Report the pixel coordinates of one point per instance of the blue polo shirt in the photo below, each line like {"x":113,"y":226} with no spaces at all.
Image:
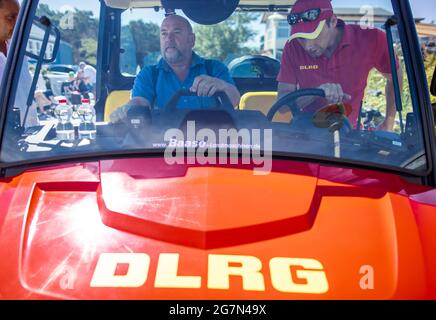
{"x":168,"y":84}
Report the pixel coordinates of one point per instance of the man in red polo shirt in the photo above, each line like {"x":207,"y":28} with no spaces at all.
{"x":323,"y":52}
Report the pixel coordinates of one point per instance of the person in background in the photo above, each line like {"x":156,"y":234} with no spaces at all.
{"x":8,"y":17}
{"x":9,"y":10}
{"x":424,"y":50}
{"x":88,"y":74}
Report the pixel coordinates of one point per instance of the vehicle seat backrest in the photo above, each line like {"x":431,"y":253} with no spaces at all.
{"x":115,"y":99}
{"x":262,"y":101}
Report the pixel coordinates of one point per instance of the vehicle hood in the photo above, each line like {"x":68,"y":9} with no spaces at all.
{"x":142,"y":229}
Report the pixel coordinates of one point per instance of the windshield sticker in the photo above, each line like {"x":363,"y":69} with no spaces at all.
{"x":205,"y":145}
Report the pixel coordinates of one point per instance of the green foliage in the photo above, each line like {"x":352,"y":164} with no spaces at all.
{"x":89,"y":50}
{"x":145,"y":37}
{"x":430,"y":65}
{"x":375,"y":92}
{"x":375,"y":95}
{"x":225,"y":39}
{"x":78,"y":28}
{"x":44,"y":10}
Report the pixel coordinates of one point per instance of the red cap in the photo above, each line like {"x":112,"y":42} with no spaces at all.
{"x":310,"y":29}
{"x":62,"y":100}
{"x":85,"y":100}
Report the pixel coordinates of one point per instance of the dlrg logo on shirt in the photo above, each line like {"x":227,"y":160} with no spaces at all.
{"x":312,"y":67}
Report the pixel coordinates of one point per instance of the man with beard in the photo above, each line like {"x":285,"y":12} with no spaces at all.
{"x":179,"y":68}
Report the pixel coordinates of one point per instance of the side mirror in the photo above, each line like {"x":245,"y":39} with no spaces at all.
{"x":43,"y":46}
{"x":44,"y":40}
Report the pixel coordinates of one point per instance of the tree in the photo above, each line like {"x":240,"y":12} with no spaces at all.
{"x":82,"y":33}
{"x":146,"y":39}
{"x":78,"y":28}
{"x":44,"y":10}
{"x":225,"y":39}
{"x":128,"y":62}
{"x":89,"y":50}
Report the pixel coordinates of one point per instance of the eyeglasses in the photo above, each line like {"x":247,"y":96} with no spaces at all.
{"x":305,"y":16}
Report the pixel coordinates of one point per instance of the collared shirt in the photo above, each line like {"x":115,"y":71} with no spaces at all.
{"x":359,"y":51}
{"x":90,"y":74}
{"x":168,"y":83}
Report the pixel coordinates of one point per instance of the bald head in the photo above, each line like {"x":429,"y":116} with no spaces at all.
{"x":175,"y":19}
{"x":176,"y":40}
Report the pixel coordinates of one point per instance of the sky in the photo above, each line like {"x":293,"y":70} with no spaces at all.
{"x":424,"y":9}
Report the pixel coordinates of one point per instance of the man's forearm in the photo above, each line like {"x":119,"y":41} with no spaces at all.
{"x":120,"y":113}
{"x":391,"y":108}
{"x":233,"y":94}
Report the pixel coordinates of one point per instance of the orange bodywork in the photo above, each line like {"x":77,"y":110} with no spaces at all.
{"x":141,"y":229}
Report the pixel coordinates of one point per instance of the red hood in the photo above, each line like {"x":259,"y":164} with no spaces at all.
{"x":63,"y":227}
{"x":202,"y":206}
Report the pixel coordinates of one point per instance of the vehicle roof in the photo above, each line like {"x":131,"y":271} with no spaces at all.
{"x":124,"y":4}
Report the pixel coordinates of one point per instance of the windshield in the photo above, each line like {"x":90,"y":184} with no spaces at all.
{"x":316,"y":79}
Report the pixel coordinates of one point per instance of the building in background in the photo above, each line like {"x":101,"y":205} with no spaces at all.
{"x":65,"y":52}
{"x":277,"y":29}
{"x":426,"y":31}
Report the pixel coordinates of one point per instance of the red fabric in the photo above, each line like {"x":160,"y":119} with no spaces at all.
{"x":359,"y":51}
{"x":304,"y":5}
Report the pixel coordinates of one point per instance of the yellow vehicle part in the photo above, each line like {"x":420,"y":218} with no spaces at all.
{"x":115,"y":99}
{"x":262,"y":101}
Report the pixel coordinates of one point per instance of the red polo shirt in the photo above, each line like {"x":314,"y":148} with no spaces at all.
{"x":359,"y":51}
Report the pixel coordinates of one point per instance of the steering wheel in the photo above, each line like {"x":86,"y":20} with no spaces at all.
{"x":221,"y":98}
{"x":290,"y":98}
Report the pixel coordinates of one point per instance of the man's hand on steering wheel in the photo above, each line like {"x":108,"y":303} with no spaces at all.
{"x":334,"y":93}
{"x":120,"y":113}
{"x":206,"y":86}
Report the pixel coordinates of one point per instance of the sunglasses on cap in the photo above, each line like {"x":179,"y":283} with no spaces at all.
{"x":305,"y":16}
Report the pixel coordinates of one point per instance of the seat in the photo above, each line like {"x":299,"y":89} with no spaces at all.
{"x":114,"y":100}
{"x":262,"y":101}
